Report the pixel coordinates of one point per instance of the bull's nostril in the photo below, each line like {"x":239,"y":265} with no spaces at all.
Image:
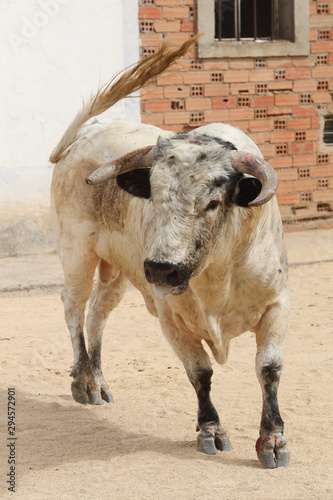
{"x":174,"y":278}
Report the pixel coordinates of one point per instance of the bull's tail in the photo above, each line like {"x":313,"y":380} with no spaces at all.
{"x":115,"y":90}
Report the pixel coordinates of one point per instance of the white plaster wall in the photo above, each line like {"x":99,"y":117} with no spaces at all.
{"x":54,"y":54}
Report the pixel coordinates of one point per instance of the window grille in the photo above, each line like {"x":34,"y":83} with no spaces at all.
{"x":246,"y":19}
{"x":328,"y":130}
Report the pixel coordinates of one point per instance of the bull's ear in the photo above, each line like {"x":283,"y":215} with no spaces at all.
{"x":135,"y":182}
{"x":247,"y":190}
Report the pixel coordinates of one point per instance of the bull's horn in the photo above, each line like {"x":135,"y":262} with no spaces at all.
{"x":139,"y":158}
{"x":247,"y":163}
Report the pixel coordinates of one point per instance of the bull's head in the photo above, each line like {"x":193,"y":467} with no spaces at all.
{"x":195,"y":182}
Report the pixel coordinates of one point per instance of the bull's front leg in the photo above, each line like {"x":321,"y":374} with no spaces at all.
{"x":212,"y":436}
{"x":271,"y":333}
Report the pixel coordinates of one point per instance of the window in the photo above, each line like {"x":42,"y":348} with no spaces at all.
{"x":253,"y":28}
{"x":245,"y":19}
{"x":328,"y":130}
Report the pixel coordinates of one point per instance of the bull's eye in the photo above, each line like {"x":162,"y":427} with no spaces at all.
{"x":212,"y":205}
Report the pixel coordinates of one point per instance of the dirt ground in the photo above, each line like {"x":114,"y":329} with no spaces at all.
{"x":143,"y":446}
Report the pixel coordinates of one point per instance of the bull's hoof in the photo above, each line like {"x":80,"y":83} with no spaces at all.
{"x":272,"y":451}
{"x":87,"y":388}
{"x":212,"y":438}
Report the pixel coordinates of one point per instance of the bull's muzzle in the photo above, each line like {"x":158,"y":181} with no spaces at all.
{"x":167,"y":273}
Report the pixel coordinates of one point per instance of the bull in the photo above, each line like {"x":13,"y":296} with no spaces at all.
{"x":191,"y":220}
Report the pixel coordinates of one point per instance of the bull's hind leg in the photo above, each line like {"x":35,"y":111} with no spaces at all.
{"x":271,"y":332}
{"x":212,"y":436}
{"x":109,"y":291}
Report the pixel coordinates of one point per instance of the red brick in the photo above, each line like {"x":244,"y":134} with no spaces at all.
{"x":187,"y":25}
{"x":286,"y":100}
{"x":154,"y":119}
{"x":322,"y":72}
{"x":281,"y":111}
{"x":215,"y":65}
{"x":224,"y":103}
{"x":241,"y":114}
{"x":322,"y":171}
{"x":284,"y":187}
{"x":282,"y":137}
{"x":198,"y":104}
{"x":157,"y":106}
{"x":315,"y":122}
{"x":170,"y":79}
{"x":313,"y":35}
{"x":151,"y":93}
{"x":305,"y":184}
{"x":261,"y":75}
{"x":259,"y":137}
{"x":176,"y":91}
{"x":243,"y":126}
{"x":151,"y":40}
{"x":321,"y":98}
{"x":281,"y":163}
{"x":298,"y":124}
{"x":325,"y":196}
{"x":216,"y":90}
{"x":278,"y":62}
{"x":304,"y":161}
{"x":320,"y":21}
{"x":234,"y":76}
{"x":241,"y":64}
{"x":321,"y":47}
{"x":298,"y":73}
{"x":261,"y":125}
{"x":305,"y":86}
{"x":288,"y":199}
{"x":242,"y":88}
{"x":267,"y":150}
{"x":199,"y":77}
{"x":176,"y":118}
{"x":299,"y":111}
{"x":168,"y":2}
{"x":303,"y":61}
{"x":217,"y":115}
{"x":179,"y":12}
{"x":312,"y":135}
{"x":262,"y":101}
{"x":280,"y":86}
{"x":150,"y":13}
{"x":178,"y":38}
{"x":174,"y":128}
{"x":300,"y":148}
{"x":166,"y":26}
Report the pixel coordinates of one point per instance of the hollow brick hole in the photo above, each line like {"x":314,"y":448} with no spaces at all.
{"x":280,"y":124}
{"x":303,"y":173}
{"x":260,"y":113}
{"x":322,"y":183}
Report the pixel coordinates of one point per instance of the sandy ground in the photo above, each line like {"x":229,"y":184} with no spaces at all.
{"x":143,"y":446}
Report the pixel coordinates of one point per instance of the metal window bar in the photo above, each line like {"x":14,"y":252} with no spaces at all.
{"x":224,"y":10}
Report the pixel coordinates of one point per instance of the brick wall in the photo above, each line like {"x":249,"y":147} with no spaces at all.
{"x":280,"y":102}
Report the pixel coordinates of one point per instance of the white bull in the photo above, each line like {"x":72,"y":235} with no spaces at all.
{"x":192,"y":221}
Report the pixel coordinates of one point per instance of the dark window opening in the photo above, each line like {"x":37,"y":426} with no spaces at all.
{"x":252,"y":20}
{"x":328,"y":130}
